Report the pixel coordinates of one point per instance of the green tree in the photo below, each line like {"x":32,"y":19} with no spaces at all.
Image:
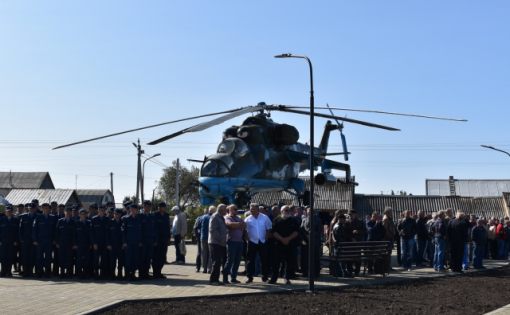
{"x":188,"y":185}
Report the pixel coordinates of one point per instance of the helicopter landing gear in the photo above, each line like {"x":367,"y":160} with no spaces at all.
{"x":241,"y":199}
{"x":304,"y":198}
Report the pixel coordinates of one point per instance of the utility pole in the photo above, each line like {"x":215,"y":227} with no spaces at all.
{"x":139,"y":170}
{"x":177,"y":170}
{"x":111,"y":182}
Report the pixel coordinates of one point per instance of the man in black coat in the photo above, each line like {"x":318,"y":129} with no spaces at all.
{"x":9,"y":239}
{"x":457,"y":232}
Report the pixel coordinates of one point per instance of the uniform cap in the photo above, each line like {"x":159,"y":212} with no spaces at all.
{"x":45,"y":204}
{"x":162,"y":204}
{"x":147,"y":203}
{"x":8,"y":207}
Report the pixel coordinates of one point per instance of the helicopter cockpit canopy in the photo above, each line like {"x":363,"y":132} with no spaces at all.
{"x":217,"y":165}
{"x":234,"y":147}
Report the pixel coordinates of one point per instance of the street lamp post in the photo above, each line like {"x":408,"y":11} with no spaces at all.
{"x":143,"y":171}
{"x":311,"y":245}
{"x":495,"y":149}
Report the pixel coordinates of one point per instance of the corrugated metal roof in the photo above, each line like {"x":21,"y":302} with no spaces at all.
{"x":28,"y":180}
{"x":468,"y":187}
{"x":327,"y":197}
{"x":64,"y":196}
{"x":484,"y":206}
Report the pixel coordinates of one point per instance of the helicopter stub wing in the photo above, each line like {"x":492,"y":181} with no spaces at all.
{"x":210,"y":123}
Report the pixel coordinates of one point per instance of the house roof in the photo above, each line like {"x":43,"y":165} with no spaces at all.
{"x":98,"y":196}
{"x":483,"y":206}
{"x":61,"y":196}
{"x":26,"y":180}
{"x":468,"y":187}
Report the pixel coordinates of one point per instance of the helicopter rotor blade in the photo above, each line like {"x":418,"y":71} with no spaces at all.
{"x":211,"y":123}
{"x":142,"y":128}
{"x":284,"y":108}
{"x":385,"y":113}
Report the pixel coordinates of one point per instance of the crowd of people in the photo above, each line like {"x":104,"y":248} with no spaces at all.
{"x":101,"y":243}
{"x":273,"y":242}
{"x":439,"y":240}
{"x":130,"y":243}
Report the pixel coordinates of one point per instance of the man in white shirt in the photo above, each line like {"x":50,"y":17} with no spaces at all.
{"x":179,"y":230}
{"x":258,"y":226}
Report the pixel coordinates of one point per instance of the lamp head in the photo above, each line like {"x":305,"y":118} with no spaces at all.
{"x":288,"y":55}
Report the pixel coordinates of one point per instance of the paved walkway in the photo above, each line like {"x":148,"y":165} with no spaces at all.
{"x":21,"y":296}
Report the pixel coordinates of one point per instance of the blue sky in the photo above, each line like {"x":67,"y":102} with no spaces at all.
{"x":76,"y":69}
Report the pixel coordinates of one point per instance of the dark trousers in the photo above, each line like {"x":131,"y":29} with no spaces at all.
{"x":305,"y":253}
{"x":421,"y":244}
{"x":132,"y":251}
{"x":399,"y":252}
{"x":83,"y":260}
{"x":218,"y":254}
{"x":117,"y":258}
{"x":56,"y":260}
{"x":178,"y":255}
{"x":43,"y":258}
{"x":283,"y":254}
{"x":479,"y":252}
{"x":234,"y":251}
{"x":27,"y":257}
{"x":101,"y":262}
{"x":456,"y":255}
{"x":198,"y":260}
{"x":7,"y":256}
{"x":65,"y":258}
{"x":253,"y":250}
{"x":147,"y":254}
{"x":159,"y":257}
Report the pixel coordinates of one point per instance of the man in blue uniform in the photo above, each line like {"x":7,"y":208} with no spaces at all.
{"x":148,"y":239}
{"x":114,"y":245}
{"x":65,"y":243}
{"x":27,"y":253}
{"x":8,"y":241}
{"x":162,"y":231}
{"x":43,"y":236}
{"x":132,"y":240}
{"x":83,"y":245}
{"x":58,"y":211}
{"x":99,"y":231}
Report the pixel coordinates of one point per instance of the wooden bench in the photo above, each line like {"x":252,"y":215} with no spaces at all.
{"x":362,"y":252}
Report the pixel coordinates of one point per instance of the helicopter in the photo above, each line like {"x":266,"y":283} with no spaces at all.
{"x":261,"y":155}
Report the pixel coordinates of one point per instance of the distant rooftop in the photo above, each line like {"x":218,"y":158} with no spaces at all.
{"x":25,"y":180}
{"x":467,"y":187}
{"x":61,"y":196}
